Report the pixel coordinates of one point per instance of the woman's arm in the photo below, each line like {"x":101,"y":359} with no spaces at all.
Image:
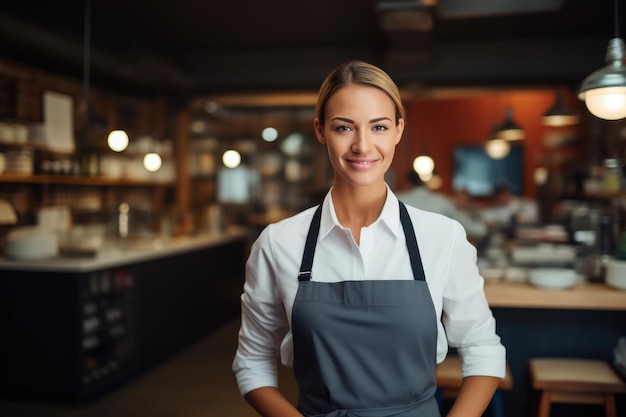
{"x":269,"y":402}
{"x":474,"y":396}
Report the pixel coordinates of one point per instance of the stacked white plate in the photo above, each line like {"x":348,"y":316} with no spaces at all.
{"x":31,"y":243}
{"x":616,"y":274}
{"x":553,"y":278}
{"x":19,"y":162}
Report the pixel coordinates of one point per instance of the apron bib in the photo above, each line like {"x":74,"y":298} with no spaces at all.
{"x":365,"y":348}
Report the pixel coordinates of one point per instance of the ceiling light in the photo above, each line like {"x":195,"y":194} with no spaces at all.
{"x":406,"y":15}
{"x":510,"y":130}
{"x":495,"y":146}
{"x":559,"y":115}
{"x":604,"y":90}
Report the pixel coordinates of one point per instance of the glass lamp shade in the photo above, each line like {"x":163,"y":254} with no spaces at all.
{"x":509,"y":129}
{"x":604,"y":90}
{"x":607,"y":103}
{"x":559,"y":115}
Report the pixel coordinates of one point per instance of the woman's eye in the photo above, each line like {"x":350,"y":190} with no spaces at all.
{"x":343,"y":128}
{"x":380,"y":128}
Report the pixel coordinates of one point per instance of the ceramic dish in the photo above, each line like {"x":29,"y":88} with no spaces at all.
{"x":553,"y":278}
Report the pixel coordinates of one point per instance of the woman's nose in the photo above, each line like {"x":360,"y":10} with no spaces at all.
{"x":361,"y":142}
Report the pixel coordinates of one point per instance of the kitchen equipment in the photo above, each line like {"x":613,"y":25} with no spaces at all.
{"x":553,"y":278}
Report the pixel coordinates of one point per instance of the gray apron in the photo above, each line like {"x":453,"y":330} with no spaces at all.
{"x":365,"y":348}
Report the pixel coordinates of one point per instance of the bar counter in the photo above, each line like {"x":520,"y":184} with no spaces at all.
{"x":584,"y":321}
{"x":583,"y":296}
{"x":73,"y":329}
{"x":126,"y":253}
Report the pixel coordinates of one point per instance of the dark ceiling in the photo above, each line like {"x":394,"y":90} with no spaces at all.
{"x":208,"y":47}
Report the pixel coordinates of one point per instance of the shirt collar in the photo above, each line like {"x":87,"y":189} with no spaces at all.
{"x":390,"y":215}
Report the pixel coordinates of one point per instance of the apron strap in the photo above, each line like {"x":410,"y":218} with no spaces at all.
{"x":411,"y":244}
{"x":309,"y":248}
{"x":409,"y":233}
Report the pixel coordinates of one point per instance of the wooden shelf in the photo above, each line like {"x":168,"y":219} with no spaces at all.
{"x":75,"y":180}
{"x":584,"y":296}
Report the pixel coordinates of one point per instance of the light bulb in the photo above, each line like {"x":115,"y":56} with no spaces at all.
{"x":117,"y":140}
{"x":607,"y":103}
{"x":423,"y":165}
{"x":152,"y":161}
{"x":497,"y":148}
{"x":269,"y":134}
{"x":231,"y":158}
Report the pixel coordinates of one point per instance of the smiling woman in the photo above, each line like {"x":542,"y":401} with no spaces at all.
{"x":310,"y":277}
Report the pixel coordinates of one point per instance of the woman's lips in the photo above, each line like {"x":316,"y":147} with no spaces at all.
{"x":361,"y":164}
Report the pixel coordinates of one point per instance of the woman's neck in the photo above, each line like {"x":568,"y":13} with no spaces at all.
{"x":358,"y":207}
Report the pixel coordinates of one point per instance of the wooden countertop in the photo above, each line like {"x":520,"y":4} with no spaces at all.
{"x":584,"y":296}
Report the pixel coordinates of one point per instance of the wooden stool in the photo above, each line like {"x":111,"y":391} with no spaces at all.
{"x":450,"y":377}
{"x":573,"y":381}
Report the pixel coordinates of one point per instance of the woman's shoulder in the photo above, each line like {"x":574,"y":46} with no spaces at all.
{"x":292,"y":225}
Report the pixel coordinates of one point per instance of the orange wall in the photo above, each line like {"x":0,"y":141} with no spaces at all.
{"x":435,"y":126}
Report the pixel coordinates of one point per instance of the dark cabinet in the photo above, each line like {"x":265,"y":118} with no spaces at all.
{"x":70,"y":336}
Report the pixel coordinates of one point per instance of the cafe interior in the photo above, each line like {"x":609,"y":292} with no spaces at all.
{"x":144,"y":146}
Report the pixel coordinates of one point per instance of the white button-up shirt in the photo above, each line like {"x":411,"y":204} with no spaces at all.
{"x":449,"y":262}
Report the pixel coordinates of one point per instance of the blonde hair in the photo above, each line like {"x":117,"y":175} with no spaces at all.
{"x":362,"y":73}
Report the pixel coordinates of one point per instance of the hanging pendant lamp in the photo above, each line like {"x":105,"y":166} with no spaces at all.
{"x":495,"y":146}
{"x":510,"y":130}
{"x":604,"y":90}
{"x":559,"y":115}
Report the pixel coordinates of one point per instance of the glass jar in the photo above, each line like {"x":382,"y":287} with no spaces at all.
{"x":613,"y":176}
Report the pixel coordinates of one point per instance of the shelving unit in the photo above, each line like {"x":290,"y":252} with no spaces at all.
{"x":72,"y":176}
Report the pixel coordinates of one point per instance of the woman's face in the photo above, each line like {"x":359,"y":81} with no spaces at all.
{"x":361,"y":134}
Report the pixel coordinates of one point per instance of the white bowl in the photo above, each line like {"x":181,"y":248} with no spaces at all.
{"x":553,"y":278}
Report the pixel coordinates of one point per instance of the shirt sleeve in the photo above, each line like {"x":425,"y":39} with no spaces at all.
{"x":263,"y":320}
{"x":468,"y":320}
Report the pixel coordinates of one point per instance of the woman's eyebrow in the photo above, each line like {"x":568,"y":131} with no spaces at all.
{"x":343,"y":119}
{"x":347,"y":120}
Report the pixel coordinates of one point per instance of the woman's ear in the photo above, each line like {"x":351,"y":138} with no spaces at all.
{"x":319,"y":131}
{"x":400,"y":128}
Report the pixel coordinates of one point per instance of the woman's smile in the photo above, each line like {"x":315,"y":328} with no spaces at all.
{"x":361,"y":164}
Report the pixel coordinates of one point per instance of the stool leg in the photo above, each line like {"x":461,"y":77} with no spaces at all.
{"x":609,"y":403}
{"x":544,"y":404}
{"x":497,"y":404}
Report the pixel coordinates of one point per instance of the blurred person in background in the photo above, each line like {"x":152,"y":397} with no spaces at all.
{"x":508,"y":210}
{"x":422,"y":197}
